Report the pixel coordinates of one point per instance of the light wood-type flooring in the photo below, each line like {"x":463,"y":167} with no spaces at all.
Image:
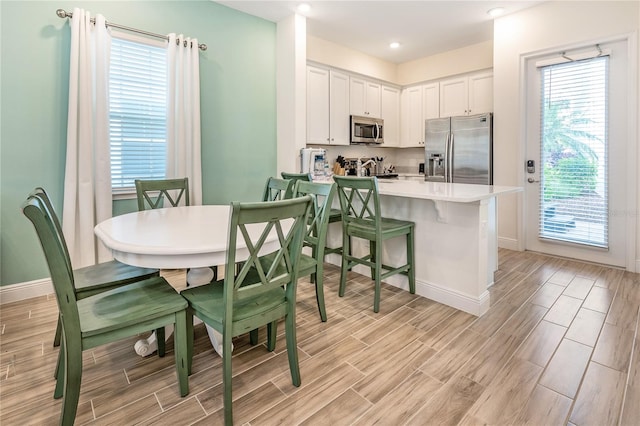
{"x":559,"y":345}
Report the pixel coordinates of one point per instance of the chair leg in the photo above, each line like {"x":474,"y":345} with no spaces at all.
{"x":160,"y":339}
{"x":59,"y":372}
{"x":345,"y":265}
{"x":377,"y":274}
{"x":226,"y":379}
{"x":72,"y":380}
{"x":181,"y":351}
{"x":292,"y":347}
{"x":190,"y":338}
{"x":56,"y":338}
{"x":374,"y":257}
{"x":411,"y":260}
{"x":272,"y":333}
{"x":320,"y":290}
{"x":254,"y":336}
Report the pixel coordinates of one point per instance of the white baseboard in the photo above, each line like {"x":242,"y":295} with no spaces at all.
{"x":27,"y":290}
{"x":463,"y":302}
{"x":508,"y":243}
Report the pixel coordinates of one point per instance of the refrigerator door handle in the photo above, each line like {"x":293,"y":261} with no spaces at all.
{"x":450,"y":158}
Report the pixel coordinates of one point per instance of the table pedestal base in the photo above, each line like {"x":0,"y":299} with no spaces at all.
{"x":195,"y":277}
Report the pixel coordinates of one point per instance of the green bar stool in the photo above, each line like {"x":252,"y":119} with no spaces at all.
{"x":361,"y":218}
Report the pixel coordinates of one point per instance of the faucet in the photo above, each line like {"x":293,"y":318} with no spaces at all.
{"x":366,"y":163}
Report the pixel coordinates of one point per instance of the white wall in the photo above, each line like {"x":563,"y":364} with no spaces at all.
{"x":335,"y":55}
{"x":459,"y":61}
{"x":547,"y":26}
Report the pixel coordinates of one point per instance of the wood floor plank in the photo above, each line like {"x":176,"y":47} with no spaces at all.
{"x":444,"y":364}
{"x":631,"y":408}
{"x":401,"y":403}
{"x":600,"y":397}
{"x":586,"y":327}
{"x":449,"y":404}
{"x":438,"y":337}
{"x":564,"y":310}
{"x":599,"y":299}
{"x":503,"y":399}
{"x":566,"y":368}
{"x":311,"y":397}
{"x":541,"y":344}
{"x":190,"y":408}
{"x":342,"y":410}
{"x":579,"y":287}
{"x":544,"y":407}
{"x":547,"y":295}
{"x":614,"y":347}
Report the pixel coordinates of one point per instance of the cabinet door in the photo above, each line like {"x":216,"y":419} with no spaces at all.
{"x":373,"y":99}
{"x":430,"y":101}
{"x":357,"y":96}
{"x":317,"y":105}
{"x":339,"y":108}
{"x":480,"y":93}
{"x":412,"y":122}
{"x":390,"y":113}
{"x":454,"y":97}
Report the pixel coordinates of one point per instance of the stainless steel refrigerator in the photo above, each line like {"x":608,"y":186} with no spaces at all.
{"x":459,"y":149}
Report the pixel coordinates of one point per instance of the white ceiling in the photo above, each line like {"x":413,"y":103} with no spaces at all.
{"x":423,"y":28}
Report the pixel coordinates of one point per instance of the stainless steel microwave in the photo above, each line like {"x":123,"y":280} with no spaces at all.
{"x":367,"y":130}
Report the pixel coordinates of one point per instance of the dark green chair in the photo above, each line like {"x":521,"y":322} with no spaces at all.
{"x":316,"y":235}
{"x":153,"y":193}
{"x":264,"y":289}
{"x":335,"y":215}
{"x":92,"y":279}
{"x":277,"y":189}
{"x":361,"y":218}
{"x":105,"y":317}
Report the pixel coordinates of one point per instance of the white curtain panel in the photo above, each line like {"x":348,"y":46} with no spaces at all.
{"x":183,"y":126}
{"x":87,"y":182}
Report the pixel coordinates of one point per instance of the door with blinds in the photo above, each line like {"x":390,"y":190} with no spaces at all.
{"x":576,"y":162}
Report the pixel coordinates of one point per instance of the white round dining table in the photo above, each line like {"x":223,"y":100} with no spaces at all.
{"x":189,"y":237}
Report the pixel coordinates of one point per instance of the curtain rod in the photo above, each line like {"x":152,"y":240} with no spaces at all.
{"x":64,"y":14}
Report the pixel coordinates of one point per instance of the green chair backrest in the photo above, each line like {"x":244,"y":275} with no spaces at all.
{"x":359,"y":200}
{"x":316,"y":235}
{"x":257,"y":275}
{"x":277,"y":189}
{"x":297,"y":176}
{"x":146,"y":189}
{"x":58,"y":262}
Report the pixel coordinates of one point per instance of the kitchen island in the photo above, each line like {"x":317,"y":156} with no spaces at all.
{"x":456,"y":244}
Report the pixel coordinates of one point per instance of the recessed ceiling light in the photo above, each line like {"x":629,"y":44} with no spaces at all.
{"x":394,"y":45}
{"x":304,"y":7}
{"x":496,"y":11}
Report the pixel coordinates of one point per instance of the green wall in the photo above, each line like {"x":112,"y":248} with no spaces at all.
{"x":238,"y":107}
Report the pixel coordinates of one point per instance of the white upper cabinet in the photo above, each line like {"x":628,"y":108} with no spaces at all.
{"x":327,"y":107}
{"x":317,"y":105}
{"x":365,"y":97}
{"x":466,"y":95}
{"x":390,"y":112}
{"x":419,"y":103}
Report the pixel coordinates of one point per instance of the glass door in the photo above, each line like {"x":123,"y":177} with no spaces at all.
{"x":576,"y":163}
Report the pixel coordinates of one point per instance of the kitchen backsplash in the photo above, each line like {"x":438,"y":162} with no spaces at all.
{"x":405,"y":160}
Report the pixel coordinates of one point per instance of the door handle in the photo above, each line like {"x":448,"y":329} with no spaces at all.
{"x":532,"y":180}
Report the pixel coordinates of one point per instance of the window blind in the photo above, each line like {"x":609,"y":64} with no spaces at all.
{"x":574,"y":193}
{"x":137,"y":112}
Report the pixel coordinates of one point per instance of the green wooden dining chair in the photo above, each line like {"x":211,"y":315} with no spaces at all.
{"x":105,"y":317}
{"x":277,"y":189}
{"x":97,"y":278}
{"x":361,"y":218}
{"x":316,"y":235}
{"x":335,"y":215}
{"x":264,"y":289}
{"x":153,"y":193}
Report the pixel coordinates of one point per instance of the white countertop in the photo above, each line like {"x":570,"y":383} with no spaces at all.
{"x":438,"y":191}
